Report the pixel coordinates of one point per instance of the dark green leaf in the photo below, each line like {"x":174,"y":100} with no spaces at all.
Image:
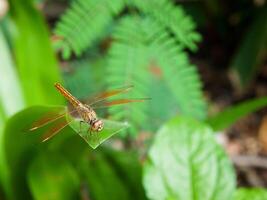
{"x":252,"y":50}
{"x":185,"y":162}
{"x":250,"y":194}
{"x":230,"y":115}
{"x":51,"y":177}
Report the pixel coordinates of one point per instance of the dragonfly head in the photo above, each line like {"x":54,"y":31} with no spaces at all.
{"x":97,"y":125}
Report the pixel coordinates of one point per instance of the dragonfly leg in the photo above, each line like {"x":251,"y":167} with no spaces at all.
{"x":98,"y":137}
{"x":80,"y":131}
{"x":90,"y":131}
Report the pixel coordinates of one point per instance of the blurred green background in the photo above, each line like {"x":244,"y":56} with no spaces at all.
{"x":193,"y":58}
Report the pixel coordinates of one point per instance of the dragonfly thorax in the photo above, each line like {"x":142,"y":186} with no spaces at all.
{"x":88,"y":115}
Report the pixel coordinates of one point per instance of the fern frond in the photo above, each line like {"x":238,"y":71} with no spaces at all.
{"x":139,"y":45}
{"x":85,"y":22}
{"x":173,"y":18}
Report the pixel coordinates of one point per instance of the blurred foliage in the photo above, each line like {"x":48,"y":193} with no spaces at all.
{"x":110,"y":44}
{"x":137,"y":56}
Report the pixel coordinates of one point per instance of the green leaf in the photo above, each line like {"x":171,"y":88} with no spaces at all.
{"x":50,"y":176}
{"x":36,"y":63}
{"x":252,"y":50}
{"x":185,"y":162}
{"x":94,"y":139}
{"x":20,"y":146}
{"x":230,"y":115}
{"x":250,"y":194}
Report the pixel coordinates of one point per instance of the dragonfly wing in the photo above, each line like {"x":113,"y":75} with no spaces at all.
{"x":105,"y":104}
{"x":54,"y":130}
{"x":48,"y":118}
{"x":107,"y":94}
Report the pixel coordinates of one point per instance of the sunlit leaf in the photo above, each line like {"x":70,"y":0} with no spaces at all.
{"x":185,"y":162}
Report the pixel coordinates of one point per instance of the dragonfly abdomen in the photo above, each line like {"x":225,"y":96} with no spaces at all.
{"x":67,"y":95}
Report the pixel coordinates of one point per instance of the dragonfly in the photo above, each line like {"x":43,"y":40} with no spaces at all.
{"x":86,"y":112}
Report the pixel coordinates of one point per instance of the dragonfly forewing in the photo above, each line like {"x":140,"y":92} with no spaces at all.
{"x":55,"y":129}
{"x":48,"y":118}
{"x":104,"y":104}
{"x":106,"y":94}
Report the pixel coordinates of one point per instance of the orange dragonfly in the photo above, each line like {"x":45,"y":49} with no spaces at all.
{"x":86,"y":112}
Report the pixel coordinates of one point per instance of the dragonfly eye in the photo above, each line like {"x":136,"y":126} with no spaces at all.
{"x":100,"y":128}
{"x":98,"y":125}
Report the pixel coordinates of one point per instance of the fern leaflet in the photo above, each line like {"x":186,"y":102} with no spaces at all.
{"x":85,"y":22}
{"x":173,"y":18}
